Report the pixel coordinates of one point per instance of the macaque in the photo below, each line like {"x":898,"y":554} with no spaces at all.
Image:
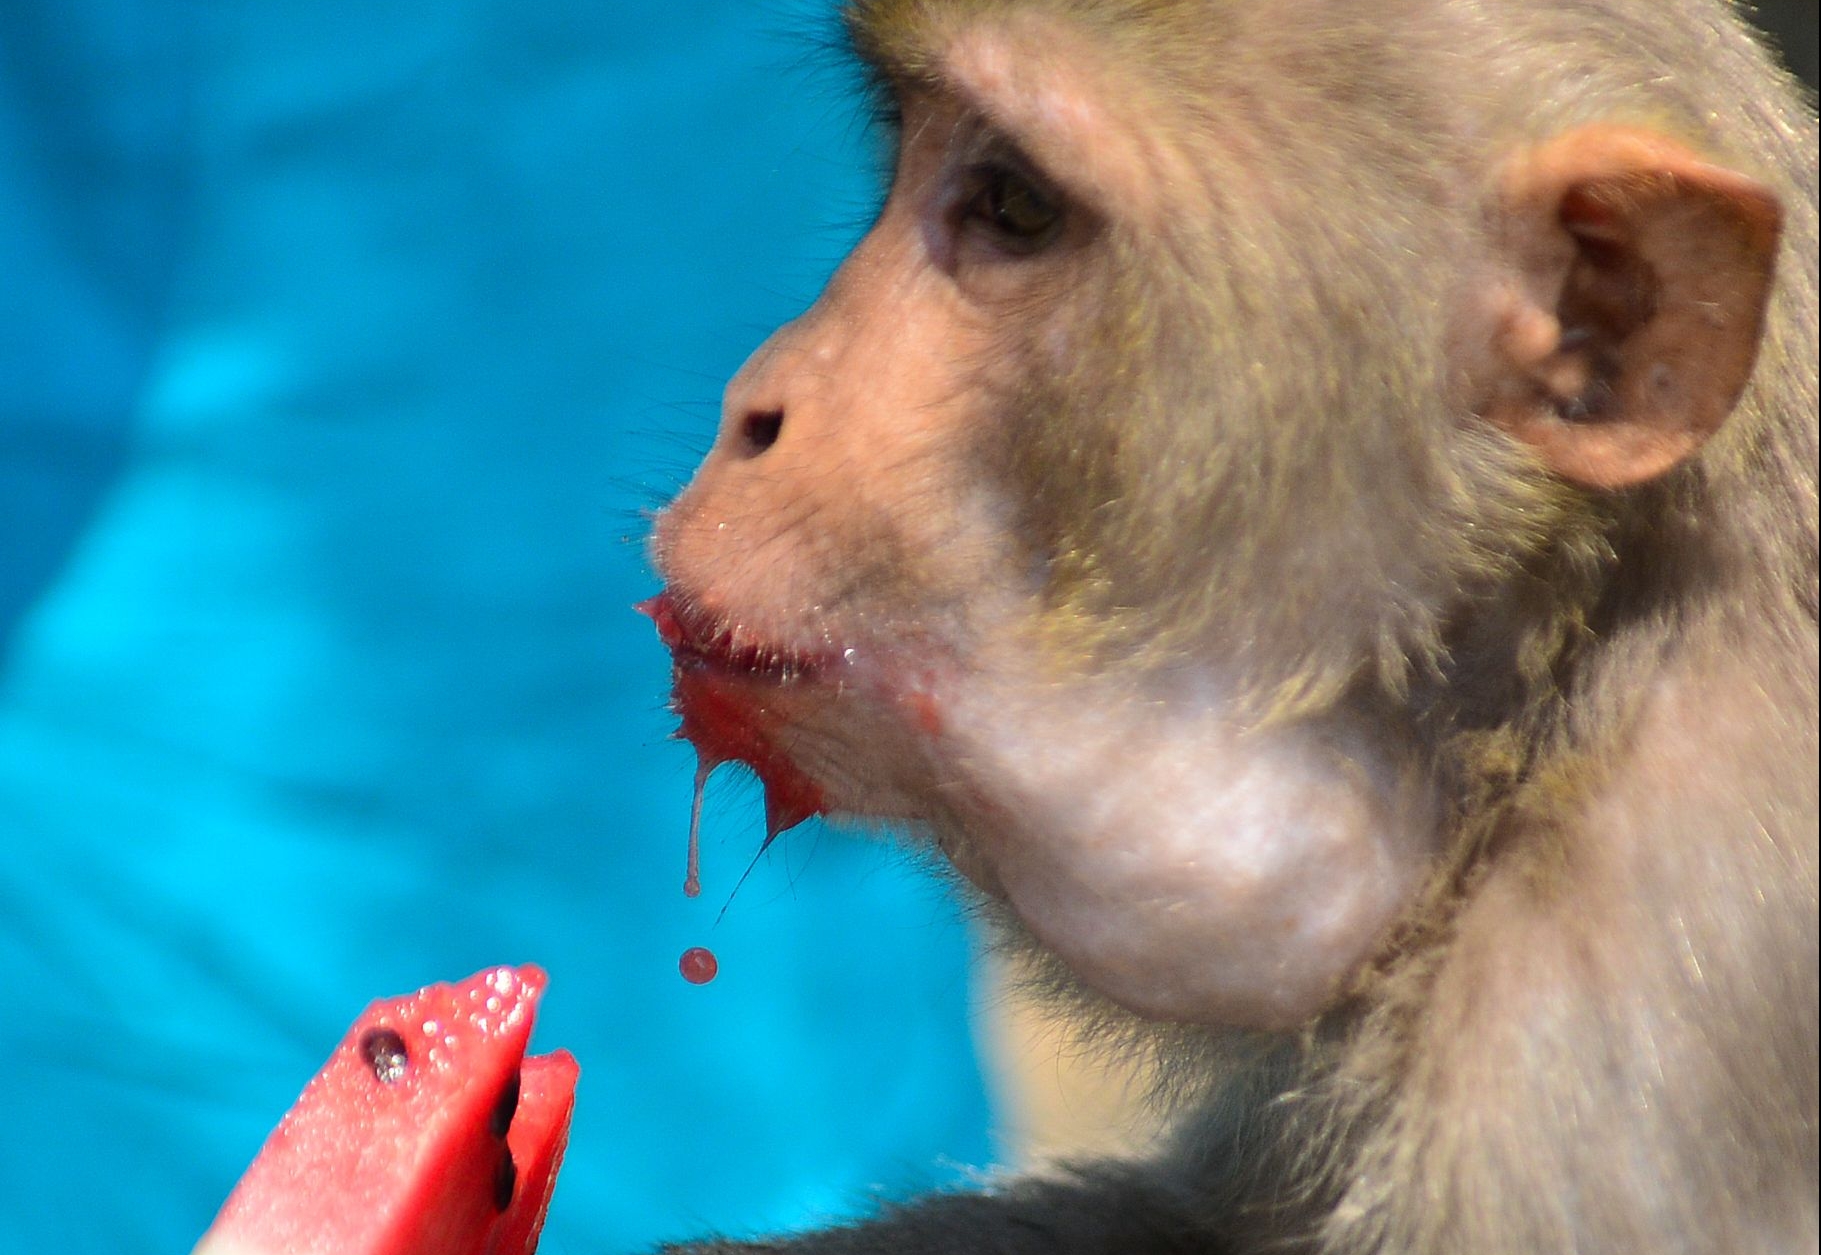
{"x":1310,"y":506}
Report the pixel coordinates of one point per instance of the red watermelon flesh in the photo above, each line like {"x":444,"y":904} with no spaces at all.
{"x":538,"y":1137}
{"x":428,"y":1132}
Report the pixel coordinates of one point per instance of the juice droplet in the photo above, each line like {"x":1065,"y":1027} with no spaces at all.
{"x":698,"y":965}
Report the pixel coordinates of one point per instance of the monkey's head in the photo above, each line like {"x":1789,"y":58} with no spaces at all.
{"x":1112,"y":512}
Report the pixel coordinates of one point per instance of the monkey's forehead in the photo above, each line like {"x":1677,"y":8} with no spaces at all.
{"x":1074,"y":102}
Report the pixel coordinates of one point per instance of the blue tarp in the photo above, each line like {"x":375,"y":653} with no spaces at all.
{"x":343,"y":344}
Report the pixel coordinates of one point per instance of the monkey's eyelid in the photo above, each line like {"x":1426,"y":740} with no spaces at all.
{"x":1017,"y":211}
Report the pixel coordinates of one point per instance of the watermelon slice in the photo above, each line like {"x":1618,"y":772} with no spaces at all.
{"x":428,"y":1132}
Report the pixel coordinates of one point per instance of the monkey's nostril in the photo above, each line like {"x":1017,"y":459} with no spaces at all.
{"x":761,"y":430}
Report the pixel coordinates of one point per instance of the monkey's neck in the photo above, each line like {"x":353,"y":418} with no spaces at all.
{"x":1543,"y":682}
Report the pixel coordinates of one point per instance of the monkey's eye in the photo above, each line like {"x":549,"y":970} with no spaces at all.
{"x":1020,"y":217}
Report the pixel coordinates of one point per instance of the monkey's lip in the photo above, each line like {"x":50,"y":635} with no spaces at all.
{"x":699,"y":640}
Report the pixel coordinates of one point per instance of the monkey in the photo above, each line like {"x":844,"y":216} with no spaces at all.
{"x":1311,"y":509}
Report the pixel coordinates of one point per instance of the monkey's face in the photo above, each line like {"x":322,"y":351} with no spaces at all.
{"x":902,"y":583}
{"x":845,"y":554}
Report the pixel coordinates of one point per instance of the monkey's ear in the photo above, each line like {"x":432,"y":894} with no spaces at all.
{"x":1640,"y":275}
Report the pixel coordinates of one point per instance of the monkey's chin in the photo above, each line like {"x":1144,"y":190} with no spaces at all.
{"x":1187,"y":870}
{"x":727,"y":695}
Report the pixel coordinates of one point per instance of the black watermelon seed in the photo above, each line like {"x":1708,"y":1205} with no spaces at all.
{"x":505,"y":1179}
{"x":385,"y":1053}
{"x":507,"y":1106}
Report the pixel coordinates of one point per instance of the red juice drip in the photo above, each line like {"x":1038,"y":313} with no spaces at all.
{"x":698,"y":965}
{"x":726,"y":722}
{"x":692,"y":873}
{"x":789,"y":800}
{"x":723,"y":715}
{"x":720,"y":703}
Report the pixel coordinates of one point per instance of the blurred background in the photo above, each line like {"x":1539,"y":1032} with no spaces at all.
{"x":1794,"y":31}
{"x":344,"y":346}
{"x":343,"y":349}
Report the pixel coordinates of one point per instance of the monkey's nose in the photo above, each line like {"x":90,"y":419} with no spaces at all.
{"x":759,"y":431}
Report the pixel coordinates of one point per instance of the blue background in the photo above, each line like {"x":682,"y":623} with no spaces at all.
{"x":342,"y":345}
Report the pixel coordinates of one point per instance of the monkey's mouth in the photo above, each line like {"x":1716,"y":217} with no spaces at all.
{"x":698,"y":640}
{"x":725,"y":693}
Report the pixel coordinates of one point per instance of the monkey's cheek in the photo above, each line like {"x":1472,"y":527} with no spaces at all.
{"x":1188,"y":872}
{"x":866,"y":761}
{"x":1203,"y":950}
